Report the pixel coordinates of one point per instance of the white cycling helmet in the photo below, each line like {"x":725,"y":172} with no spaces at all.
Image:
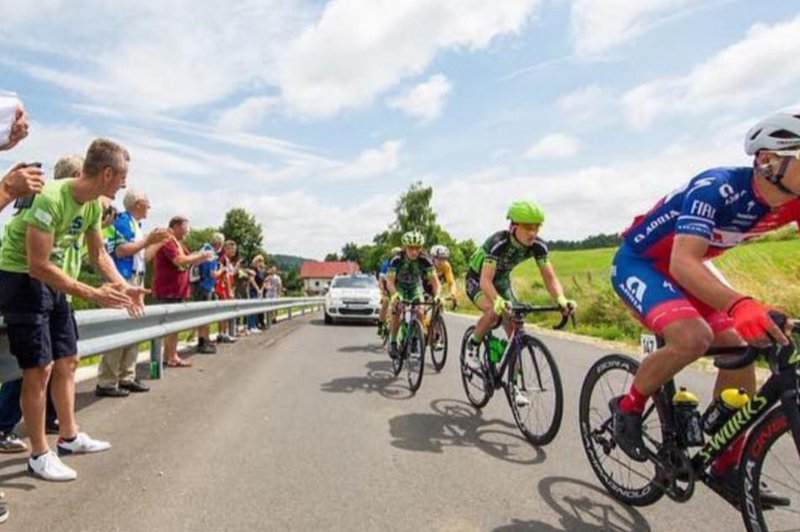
{"x":779,"y":131}
{"x":440,"y":252}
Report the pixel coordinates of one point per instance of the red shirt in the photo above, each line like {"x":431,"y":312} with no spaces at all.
{"x":170,"y":281}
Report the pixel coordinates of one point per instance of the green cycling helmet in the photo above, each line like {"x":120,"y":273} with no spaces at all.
{"x":525,"y":212}
{"x":413,"y":238}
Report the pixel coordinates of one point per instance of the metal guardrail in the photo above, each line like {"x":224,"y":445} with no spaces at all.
{"x":106,"y":329}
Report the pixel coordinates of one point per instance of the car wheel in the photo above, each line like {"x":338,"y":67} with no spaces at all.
{"x":328,"y":319}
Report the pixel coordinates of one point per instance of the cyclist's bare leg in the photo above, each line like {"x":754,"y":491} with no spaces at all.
{"x":733,"y":378}
{"x":686,"y":340}
{"x":487,"y":318}
{"x":395,"y":321}
{"x":384,"y":307}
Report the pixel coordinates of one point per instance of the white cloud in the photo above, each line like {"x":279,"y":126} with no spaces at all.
{"x":591,"y":199}
{"x":599,"y":25}
{"x":358,"y":49}
{"x":370,"y":163}
{"x":731,"y":77}
{"x":426,"y":100}
{"x":157,"y":56}
{"x":583,"y":104}
{"x":248,"y":114}
{"x":553,"y":146}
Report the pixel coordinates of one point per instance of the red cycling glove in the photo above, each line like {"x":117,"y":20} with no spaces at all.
{"x":750,"y":319}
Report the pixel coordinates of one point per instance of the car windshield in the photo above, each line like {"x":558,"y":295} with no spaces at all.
{"x":355,"y":282}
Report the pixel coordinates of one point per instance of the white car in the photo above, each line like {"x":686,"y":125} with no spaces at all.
{"x":353,"y":297}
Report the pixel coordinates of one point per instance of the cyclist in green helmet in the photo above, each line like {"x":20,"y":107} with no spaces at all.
{"x":404,"y":279}
{"x":488,"y":281}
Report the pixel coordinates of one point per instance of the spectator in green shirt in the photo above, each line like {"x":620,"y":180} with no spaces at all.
{"x":42,"y":332}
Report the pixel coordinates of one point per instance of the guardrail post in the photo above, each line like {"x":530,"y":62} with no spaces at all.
{"x":156,"y":359}
{"x":233,"y":330}
{"x":269,"y":320}
{"x":290,"y":313}
{"x":303,"y":310}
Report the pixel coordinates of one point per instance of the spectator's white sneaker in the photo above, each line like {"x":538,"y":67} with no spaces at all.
{"x":83,"y":443}
{"x":520,"y":399}
{"x":49,"y":467}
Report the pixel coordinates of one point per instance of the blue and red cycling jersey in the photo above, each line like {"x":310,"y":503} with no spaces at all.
{"x":720,"y":205}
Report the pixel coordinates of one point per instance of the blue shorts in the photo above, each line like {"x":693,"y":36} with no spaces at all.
{"x":40,"y":322}
{"x":654,"y":297}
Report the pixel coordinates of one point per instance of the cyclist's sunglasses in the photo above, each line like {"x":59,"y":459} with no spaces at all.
{"x":794,"y":153}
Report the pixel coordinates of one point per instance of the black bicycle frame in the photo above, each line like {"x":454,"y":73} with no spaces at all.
{"x":518,"y":322}
{"x":783,"y":386}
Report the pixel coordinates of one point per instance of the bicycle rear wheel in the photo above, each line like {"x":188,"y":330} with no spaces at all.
{"x":476,"y":384}
{"x":533,"y":375}
{"x":415,"y":353}
{"x":770,"y":458}
{"x":625,"y":479}
{"x":438,"y":343}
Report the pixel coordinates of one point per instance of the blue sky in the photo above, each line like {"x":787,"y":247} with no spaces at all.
{"x":316,"y":115}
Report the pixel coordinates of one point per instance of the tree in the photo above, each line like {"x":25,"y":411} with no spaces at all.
{"x":242,"y":227}
{"x":350,"y":252}
{"x":331,"y":257}
{"x":198,"y":237}
{"x":414,"y":212}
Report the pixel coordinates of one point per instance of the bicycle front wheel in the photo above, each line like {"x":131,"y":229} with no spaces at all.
{"x":627,"y":480}
{"x":415,"y":353}
{"x":770,"y":460}
{"x":476,"y":384}
{"x":438,"y":343}
{"x":534,"y":392}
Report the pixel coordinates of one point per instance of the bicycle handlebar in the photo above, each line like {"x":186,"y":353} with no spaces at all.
{"x":521,"y":308}
{"x":746,"y":355}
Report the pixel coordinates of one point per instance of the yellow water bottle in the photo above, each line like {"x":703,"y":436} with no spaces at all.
{"x":723,"y":408}
{"x":684,"y":405}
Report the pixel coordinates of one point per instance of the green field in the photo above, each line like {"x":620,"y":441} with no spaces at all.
{"x":765,"y":270}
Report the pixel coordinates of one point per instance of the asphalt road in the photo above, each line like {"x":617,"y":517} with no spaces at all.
{"x":303,"y":428}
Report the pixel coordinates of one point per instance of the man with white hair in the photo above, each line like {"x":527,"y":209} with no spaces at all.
{"x":131,"y":249}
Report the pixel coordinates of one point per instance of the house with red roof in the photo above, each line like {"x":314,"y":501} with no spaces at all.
{"x":317,"y":275}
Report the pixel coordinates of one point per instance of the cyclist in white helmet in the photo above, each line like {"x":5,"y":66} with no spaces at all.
{"x":660,"y":273}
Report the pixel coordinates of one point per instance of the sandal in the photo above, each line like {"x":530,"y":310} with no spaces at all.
{"x":180,"y":363}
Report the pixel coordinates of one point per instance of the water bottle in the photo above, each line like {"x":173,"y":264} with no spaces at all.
{"x":722,"y":409}
{"x":684,"y":404}
{"x":497,"y":346}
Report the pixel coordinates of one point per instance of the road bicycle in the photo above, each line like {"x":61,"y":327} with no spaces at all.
{"x":437,"y":335}
{"x":411,"y":343}
{"x":525,"y":369}
{"x":770,"y":421}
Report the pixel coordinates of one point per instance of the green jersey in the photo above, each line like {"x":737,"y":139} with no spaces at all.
{"x":55,"y":211}
{"x":505,"y":253}
{"x":408,"y":274}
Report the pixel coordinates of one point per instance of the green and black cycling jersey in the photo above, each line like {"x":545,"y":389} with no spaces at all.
{"x":409,"y":274}
{"x":504,"y":252}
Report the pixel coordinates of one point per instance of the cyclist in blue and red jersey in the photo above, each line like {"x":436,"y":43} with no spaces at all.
{"x":660,"y":272}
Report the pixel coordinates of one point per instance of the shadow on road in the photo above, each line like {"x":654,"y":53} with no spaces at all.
{"x":581,"y":507}
{"x":15,"y":468}
{"x":379,"y":379}
{"x":376,"y":349}
{"x":457,"y":424}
